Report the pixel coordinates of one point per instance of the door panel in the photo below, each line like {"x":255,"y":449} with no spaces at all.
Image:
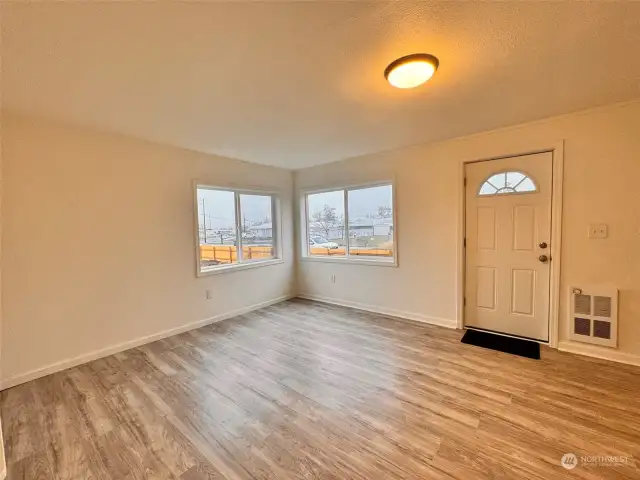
{"x":486,"y":228}
{"x":507,"y":219}
{"x":523,"y":292}
{"x":524,"y":228}
{"x":486,"y":288}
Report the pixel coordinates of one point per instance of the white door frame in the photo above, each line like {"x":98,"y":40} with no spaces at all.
{"x":557,"y":150}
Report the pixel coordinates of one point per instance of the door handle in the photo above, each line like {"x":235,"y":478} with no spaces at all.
{"x":543,"y":245}
{"x":543,"y":258}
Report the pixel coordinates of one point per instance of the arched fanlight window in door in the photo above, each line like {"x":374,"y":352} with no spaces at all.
{"x":507,"y":182}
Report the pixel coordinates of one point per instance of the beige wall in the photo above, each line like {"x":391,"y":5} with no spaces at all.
{"x":602,"y":175}
{"x":99,"y":242}
{"x":119,"y":214}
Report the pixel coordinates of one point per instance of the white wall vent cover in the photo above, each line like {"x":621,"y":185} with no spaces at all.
{"x":593,"y":315}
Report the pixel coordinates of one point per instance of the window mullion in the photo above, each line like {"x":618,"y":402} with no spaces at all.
{"x":346,"y":221}
{"x":308,"y":224}
{"x":275,"y":228}
{"x":238,"y":228}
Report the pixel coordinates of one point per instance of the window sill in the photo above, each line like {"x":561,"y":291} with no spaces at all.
{"x":238,"y":266}
{"x":352,"y":261}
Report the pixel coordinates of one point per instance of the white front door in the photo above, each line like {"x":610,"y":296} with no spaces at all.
{"x":508,"y":236}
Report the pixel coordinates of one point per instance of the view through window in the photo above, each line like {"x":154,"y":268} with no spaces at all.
{"x":368,"y":213}
{"x":326,"y":223}
{"x":256,"y":213}
{"x":234,"y":227}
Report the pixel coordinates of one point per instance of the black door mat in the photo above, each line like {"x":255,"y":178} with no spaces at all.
{"x":515,"y":346}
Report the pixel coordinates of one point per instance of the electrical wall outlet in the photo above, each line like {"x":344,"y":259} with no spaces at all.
{"x":598,"y":230}
{"x":209,"y":294}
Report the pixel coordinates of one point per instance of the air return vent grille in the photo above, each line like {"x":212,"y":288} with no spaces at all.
{"x":594,"y":315}
{"x":602,"y":306}
{"x":583,"y":304}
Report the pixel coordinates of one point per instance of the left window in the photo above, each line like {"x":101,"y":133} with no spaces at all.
{"x":236,"y":228}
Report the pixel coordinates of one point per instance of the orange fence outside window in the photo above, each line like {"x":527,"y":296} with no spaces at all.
{"x":369,"y":252}
{"x":229,"y":254}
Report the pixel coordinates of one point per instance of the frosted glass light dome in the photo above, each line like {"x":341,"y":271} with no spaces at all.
{"x":412,"y":70}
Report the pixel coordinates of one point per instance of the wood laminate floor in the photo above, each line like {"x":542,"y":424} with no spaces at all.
{"x":308,"y":390}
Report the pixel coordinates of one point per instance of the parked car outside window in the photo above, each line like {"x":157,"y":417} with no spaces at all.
{"x":321,"y":242}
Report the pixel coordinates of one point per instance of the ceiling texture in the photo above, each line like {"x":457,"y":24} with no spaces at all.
{"x":295,"y":84}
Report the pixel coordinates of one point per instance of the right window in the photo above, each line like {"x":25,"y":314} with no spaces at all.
{"x":371,"y":221}
{"x":351,"y":223}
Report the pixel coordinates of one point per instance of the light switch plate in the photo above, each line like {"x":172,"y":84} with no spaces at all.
{"x":598,"y":230}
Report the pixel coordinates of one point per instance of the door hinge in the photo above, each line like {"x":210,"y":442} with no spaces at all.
{"x":465,"y":181}
{"x":464,"y":301}
{"x":464,"y":242}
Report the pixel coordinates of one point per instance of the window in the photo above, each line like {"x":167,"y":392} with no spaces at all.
{"x":507,"y":182}
{"x":326,"y":223}
{"x":352,"y":223}
{"x":235,"y":228}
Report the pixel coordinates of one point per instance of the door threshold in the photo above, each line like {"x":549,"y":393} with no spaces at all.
{"x":520,"y":337}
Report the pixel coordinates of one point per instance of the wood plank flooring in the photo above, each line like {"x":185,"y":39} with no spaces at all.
{"x":306,"y":390}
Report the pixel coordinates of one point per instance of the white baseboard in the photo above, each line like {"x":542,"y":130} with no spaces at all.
{"x":3,"y":462}
{"x":603,"y":353}
{"x":416,"y":317}
{"x":104,"y":352}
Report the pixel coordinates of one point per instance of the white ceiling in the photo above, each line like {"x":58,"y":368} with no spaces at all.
{"x":295,"y":84}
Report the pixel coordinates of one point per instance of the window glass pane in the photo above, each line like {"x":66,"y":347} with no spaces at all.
{"x":513,"y":178}
{"x":371,"y":221}
{"x":487,"y":189}
{"x":326,"y":223}
{"x":257,"y":227}
{"x":498,"y":180}
{"x":526,"y":185}
{"x":216,"y":227}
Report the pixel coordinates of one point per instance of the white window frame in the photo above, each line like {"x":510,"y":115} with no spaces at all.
{"x":351,"y":259}
{"x":276,"y":225}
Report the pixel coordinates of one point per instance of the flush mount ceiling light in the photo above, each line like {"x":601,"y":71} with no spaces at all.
{"x":412,"y":70}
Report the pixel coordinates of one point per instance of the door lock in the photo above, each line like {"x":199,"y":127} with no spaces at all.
{"x":543,"y":245}
{"x":543,"y":258}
